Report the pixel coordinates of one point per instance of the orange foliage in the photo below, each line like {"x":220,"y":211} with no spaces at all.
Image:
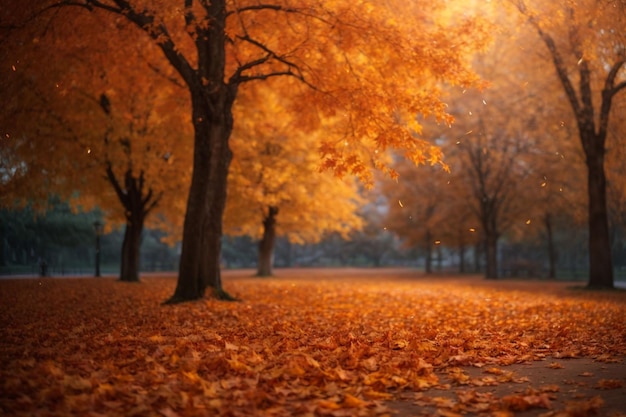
{"x":295,"y":346}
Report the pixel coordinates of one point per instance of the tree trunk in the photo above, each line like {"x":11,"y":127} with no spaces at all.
{"x":600,"y":262}
{"x":136,"y":205}
{"x":439,"y":258}
{"x":477,"y":252}
{"x":129,"y":271}
{"x":428,"y":267}
{"x":266,"y":244}
{"x":202,"y":231}
{"x":593,"y":143}
{"x":491,"y":254}
{"x":547,"y":221}
{"x":462,"y":258}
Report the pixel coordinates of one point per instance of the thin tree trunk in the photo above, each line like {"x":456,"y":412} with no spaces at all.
{"x":136,"y":207}
{"x":439,"y":258}
{"x":491,"y":254}
{"x":462,"y":258}
{"x":477,"y":252}
{"x":429,"y":253}
{"x":600,"y":262}
{"x":131,"y":252}
{"x":266,"y":244}
{"x":547,"y":220}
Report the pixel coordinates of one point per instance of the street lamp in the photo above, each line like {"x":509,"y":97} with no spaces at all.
{"x":98,"y":227}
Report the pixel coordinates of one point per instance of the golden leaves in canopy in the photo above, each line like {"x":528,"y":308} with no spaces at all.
{"x":374,"y":69}
{"x":276,"y":164}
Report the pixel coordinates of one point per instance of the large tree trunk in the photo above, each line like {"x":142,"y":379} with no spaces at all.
{"x":212,"y":101}
{"x":219,"y":161}
{"x":266,"y":244}
{"x":600,"y":262}
{"x":202,"y":231}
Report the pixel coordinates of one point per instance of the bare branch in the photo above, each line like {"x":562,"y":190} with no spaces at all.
{"x":149,"y":207}
{"x":278,"y":8}
{"x":159,"y":72}
{"x":293,"y":70}
{"x":557,"y":60}
{"x":608,"y":93}
{"x":275,"y":7}
{"x":44,"y":10}
{"x":610,"y":78}
{"x":121,"y":194}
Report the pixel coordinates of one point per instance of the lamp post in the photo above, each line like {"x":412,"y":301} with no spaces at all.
{"x":98,"y":227}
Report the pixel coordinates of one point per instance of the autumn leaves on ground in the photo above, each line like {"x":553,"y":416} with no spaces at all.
{"x":310,"y":343}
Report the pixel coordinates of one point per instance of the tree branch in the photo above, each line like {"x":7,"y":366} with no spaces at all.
{"x":609,"y":91}
{"x":292,"y":70}
{"x":158,"y":32}
{"x":556,"y":59}
{"x":121,"y":194}
{"x":149,"y":207}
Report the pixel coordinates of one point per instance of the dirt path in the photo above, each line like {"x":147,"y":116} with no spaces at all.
{"x":556,"y":384}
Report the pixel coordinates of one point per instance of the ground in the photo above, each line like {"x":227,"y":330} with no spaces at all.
{"x":314,"y":342}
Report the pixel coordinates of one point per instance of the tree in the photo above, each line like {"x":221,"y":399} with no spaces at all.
{"x":616,"y":192}
{"x":490,"y":156}
{"x":102,"y":137}
{"x":332,"y":48}
{"x":416,"y":209}
{"x":585,"y":41}
{"x":275,"y":187}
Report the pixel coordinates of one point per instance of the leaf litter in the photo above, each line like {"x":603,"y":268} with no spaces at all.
{"x":295,"y":346}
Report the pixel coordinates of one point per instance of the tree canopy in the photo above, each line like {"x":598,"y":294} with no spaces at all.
{"x":367,"y":72}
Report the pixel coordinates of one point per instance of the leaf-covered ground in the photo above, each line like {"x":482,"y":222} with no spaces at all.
{"x":307,"y":343}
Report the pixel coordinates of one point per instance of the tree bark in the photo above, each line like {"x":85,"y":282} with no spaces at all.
{"x":266,"y":244}
{"x":202,"y":231}
{"x":600,"y":260}
{"x":212,"y":100}
{"x":129,"y":270}
{"x":489,"y":214}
